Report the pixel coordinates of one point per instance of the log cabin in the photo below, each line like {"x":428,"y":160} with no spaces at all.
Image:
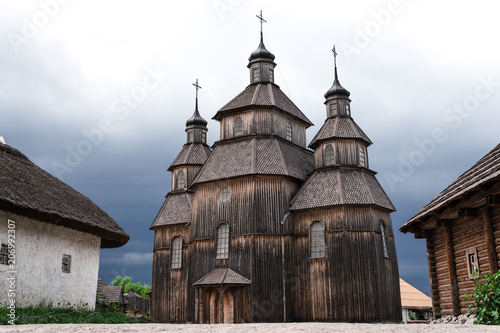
{"x":261,"y":228}
{"x":462,"y":229}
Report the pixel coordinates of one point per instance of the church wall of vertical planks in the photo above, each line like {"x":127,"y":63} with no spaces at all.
{"x":262,"y":228}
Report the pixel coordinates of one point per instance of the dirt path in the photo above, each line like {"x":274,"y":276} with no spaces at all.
{"x":262,"y":328}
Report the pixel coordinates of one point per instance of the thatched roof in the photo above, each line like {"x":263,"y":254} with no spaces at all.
{"x":340,"y":186}
{"x":339,"y":128}
{"x":485,"y":170}
{"x":258,"y":155}
{"x":412,"y":298}
{"x":222,"y":276}
{"x":175,"y":210}
{"x":27,"y":190}
{"x":263,"y":95}
{"x":191,"y":154}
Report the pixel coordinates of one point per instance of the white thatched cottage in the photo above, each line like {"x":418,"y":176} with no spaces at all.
{"x":56,"y":234}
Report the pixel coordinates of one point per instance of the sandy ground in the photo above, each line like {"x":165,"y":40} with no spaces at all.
{"x":283,"y":328}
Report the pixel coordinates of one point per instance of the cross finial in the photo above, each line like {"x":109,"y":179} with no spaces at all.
{"x":334,"y":56}
{"x":261,"y":21}
{"x":197,"y":86}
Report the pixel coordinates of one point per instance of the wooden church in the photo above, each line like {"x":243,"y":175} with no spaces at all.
{"x":259,"y":228}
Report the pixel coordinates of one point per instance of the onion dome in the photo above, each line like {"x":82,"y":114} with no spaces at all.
{"x":261,"y":54}
{"x":337,"y":91}
{"x":196,"y":121}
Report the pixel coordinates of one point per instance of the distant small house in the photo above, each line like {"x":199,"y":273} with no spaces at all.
{"x":136,"y":303}
{"x":50,"y":236}
{"x":414,"y":301}
{"x":111,"y":295}
{"x":462,"y":229}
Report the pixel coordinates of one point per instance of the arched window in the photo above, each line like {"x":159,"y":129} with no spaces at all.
{"x":384,"y":240}
{"x":238,"y":127}
{"x":329,"y":155}
{"x":180,"y":180}
{"x":362,"y":161}
{"x":317,"y":238}
{"x":289,"y":131}
{"x":176,"y":252}
{"x":225,"y":195}
{"x":222,"y":241}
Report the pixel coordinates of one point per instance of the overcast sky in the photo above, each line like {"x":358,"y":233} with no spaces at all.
{"x":97,"y":93}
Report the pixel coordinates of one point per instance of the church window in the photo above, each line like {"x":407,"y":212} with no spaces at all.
{"x":289,"y":131}
{"x":329,"y":155}
{"x":190,"y":136}
{"x":4,"y":254}
{"x":256,"y":73}
{"x":333,"y":109}
{"x":222,"y":241}
{"x":225,"y":195}
{"x":176,"y":253}
{"x":347,"y":109}
{"x":271,"y":74}
{"x":384,"y":239}
{"x":203,"y":137}
{"x":362,"y":161}
{"x":66,"y":263}
{"x":472,"y":262}
{"x":238,"y":127}
{"x":317,"y":238}
{"x":180,"y":180}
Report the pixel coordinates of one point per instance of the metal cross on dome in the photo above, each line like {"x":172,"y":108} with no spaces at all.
{"x":261,"y":18}
{"x":334,"y":56}
{"x":197,"y":86}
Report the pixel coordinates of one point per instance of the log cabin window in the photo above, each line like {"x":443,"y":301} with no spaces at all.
{"x":329,"y":155}
{"x":289,"y":131}
{"x":4,"y":254}
{"x":238,"y":127}
{"x":222,"y":241}
{"x":180,"y":180}
{"x":225,"y":195}
{"x":472,"y":262}
{"x":176,"y":253}
{"x":66,"y":263}
{"x":317,"y":239}
{"x":362,"y":160}
{"x":384,"y":240}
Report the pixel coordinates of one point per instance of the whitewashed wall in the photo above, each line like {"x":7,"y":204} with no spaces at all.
{"x":40,"y":247}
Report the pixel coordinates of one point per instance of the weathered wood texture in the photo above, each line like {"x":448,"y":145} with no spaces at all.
{"x":431,"y":259}
{"x":354,"y":282}
{"x":346,"y":152}
{"x":264,"y":121}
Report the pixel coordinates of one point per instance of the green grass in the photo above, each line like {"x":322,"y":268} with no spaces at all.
{"x":46,"y":313}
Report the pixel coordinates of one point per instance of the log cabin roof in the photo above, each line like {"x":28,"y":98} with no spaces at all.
{"x":258,"y":155}
{"x":486,"y":169}
{"x":175,"y":210}
{"x":339,"y":128}
{"x":412,"y":298}
{"x":222,"y":276}
{"x":193,"y":154}
{"x":28,"y":190}
{"x":263,"y":94}
{"x":109,"y":294}
{"x":340,"y":186}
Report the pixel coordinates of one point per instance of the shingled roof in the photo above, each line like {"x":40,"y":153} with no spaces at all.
{"x":265,"y":95}
{"x":193,"y":154}
{"x":340,"y":186}
{"x":27,"y":190}
{"x":339,"y":127}
{"x":222,"y":276}
{"x":175,"y":210}
{"x":264,"y":155}
{"x":110,"y":294}
{"x":486,"y":169}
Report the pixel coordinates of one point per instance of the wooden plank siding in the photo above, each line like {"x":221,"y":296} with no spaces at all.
{"x":264,"y":121}
{"x":354,"y":258}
